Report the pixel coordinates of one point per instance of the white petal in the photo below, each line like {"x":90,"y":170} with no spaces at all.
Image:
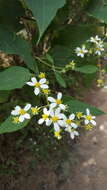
{"x":62,"y":116}
{"x":62,"y":106}
{"x":56,"y":127}
{"x":27,"y":115}
{"x":81,"y":55}
{"x":57,"y":111}
{"x":48,"y":122}
{"x":61,"y":123}
{"x":42,"y":81}
{"x":21,"y":118}
{"x":72,"y":135}
{"x":93,"y":122}
{"x":88,"y":111}
{"x":40,"y":121}
{"x":52,"y":112}
{"x":30,"y":83}
{"x":59,"y":95}
{"x":53,"y":105}
{"x":105,"y":86}
{"x":36,"y":91}
{"x":44,"y":86}
{"x":45,"y":111}
{"x":51,"y":99}
{"x":86,"y":122}
{"x":14,"y":112}
{"x":76,"y":133}
{"x":74,"y":125}
{"x":78,"y":49}
{"x":17,"y":108}
{"x":72,"y":116}
{"x":93,"y":117}
{"x":27,"y":107}
{"x":34,"y":80}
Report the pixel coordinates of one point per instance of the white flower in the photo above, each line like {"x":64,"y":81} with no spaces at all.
{"x":57,"y":119}
{"x":56,"y":102}
{"x":70,"y":121}
{"x":89,"y":118}
{"x":72,"y":132}
{"x":99,"y":48}
{"x":22,"y":113}
{"x":45,"y":117}
{"x":95,"y":39}
{"x":81,"y":51}
{"x":38,"y":85}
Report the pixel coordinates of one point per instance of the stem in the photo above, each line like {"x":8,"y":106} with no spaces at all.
{"x":45,"y":63}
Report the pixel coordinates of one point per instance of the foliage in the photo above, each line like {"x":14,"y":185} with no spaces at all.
{"x":51,"y":37}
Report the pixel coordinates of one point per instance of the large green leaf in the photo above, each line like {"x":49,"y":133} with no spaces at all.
{"x":98,"y":9}
{"x":87,"y":69}
{"x":78,"y":106}
{"x":44,"y":11}
{"x":8,"y":126}
{"x":14,"y":77}
{"x":12,"y":44}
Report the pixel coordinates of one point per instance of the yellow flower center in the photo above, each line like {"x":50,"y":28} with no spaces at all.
{"x":45,"y":91}
{"x":47,"y":82}
{"x":15,"y":120}
{"x":79,"y":115}
{"x":57,"y":134}
{"x":88,"y":127}
{"x":81,"y":51}
{"x":44,"y":116}
{"x":100,"y":81}
{"x":34,"y":110}
{"x":37,"y":84}
{"x":58,"y":101}
{"x":55,"y":119}
{"x":22,"y":112}
{"x":68,"y":121}
{"x":42,"y":75}
{"x":98,"y":49}
{"x":88,"y":117}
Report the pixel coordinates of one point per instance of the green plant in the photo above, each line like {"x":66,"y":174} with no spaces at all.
{"x":55,"y":39}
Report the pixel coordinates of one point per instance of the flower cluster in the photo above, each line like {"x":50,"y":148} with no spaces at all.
{"x":54,"y":114}
{"x":95,"y":46}
{"x":98,"y":45}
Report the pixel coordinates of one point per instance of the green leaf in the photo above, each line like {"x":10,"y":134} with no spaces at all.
{"x":4,"y":96}
{"x":87,"y":69}
{"x":60,"y":80}
{"x":61,"y":55}
{"x":78,"y":106}
{"x":14,"y":77}
{"x":12,"y":44}
{"x":98,"y":9}
{"x":8,"y":126}
{"x":44,"y":11}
